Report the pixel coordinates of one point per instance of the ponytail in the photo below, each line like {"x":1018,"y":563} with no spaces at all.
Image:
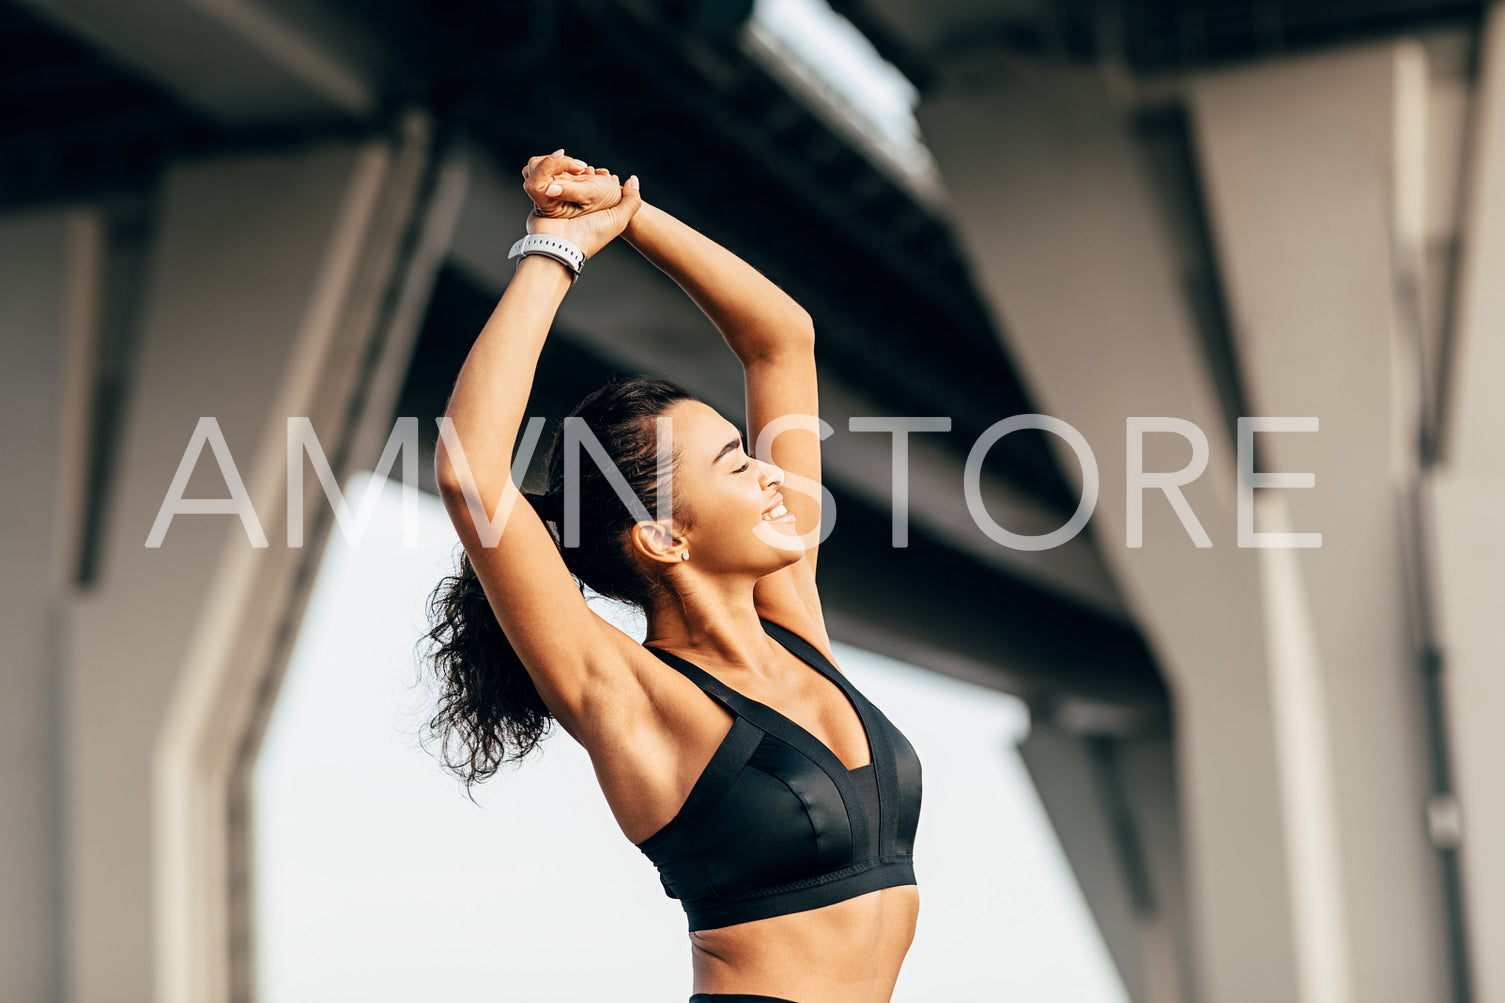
{"x":489,"y":710}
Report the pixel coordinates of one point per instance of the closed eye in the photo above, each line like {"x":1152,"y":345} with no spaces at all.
{"x":741,"y":468}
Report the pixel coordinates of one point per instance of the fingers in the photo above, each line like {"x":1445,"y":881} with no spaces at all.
{"x":584,"y":182}
{"x":539,"y":177}
{"x":632,"y":197}
{"x":562,"y":186}
{"x":572,"y":164}
{"x":590,"y":190}
{"x":533,"y":162}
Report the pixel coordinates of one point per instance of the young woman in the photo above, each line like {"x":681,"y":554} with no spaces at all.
{"x":778,"y":804}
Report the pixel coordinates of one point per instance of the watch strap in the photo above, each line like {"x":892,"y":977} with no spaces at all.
{"x":561,"y":250}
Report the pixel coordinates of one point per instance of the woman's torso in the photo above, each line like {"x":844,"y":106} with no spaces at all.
{"x":677,"y":760}
{"x":848,"y":952}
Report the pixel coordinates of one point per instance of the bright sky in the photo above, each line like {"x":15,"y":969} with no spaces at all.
{"x":376,"y":880}
{"x":845,"y":61}
{"x":831,"y":58}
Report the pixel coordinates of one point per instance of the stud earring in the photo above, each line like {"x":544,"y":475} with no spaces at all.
{"x":684,"y":555}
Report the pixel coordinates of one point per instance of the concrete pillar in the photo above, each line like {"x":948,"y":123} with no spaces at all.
{"x":1314,"y":172}
{"x":1066,"y":244}
{"x":49,"y":280}
{"x":268,"y":298}
{"x":1301,"y":740}
{"x":1112,"y":802}
{"x":1146,"y":771}
{"x":1067,"y":247}
{"x":1467,"y":527}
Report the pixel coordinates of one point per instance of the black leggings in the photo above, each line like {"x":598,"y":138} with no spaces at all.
{"x":734,"y":998}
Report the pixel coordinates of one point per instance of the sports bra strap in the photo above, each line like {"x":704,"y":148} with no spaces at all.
{"x":801,"y":647}
{"x":724,"y":694}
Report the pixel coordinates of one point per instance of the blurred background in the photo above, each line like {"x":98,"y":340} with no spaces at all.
{"x":1163,"y":762}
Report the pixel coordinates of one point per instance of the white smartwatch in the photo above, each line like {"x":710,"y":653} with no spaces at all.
{"x":561,"y":250}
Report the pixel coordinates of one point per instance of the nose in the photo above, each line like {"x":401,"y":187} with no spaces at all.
{"x":772,"y":473}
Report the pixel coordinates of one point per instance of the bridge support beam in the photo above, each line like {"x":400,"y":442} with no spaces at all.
{"x":1468,"y":486}
{"x":281,"y":285}
{"x":50,"y":269}
{"x":1314,"y":173}
{"x":1290,"y":669}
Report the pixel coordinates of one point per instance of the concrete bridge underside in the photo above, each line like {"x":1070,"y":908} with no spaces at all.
{"x":298,"y":216}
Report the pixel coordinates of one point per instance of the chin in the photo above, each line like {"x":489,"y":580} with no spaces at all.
{"x":775,"y":538}
{"x":790,"y":556}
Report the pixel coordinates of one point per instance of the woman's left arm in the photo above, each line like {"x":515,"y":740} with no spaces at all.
{"x":774,"y":338}
{"x":756,"y":317}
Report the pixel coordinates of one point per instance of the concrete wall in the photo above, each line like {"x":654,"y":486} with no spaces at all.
{"x":121,"y":704}
{"x":1469,"y":534}
{"x":49,"y":270}
{"x":1302,"y":747}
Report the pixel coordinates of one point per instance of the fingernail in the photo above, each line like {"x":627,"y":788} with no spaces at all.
{"x":632,"y":182}
{"x":553,"y":190}
{"x":557,"y":152}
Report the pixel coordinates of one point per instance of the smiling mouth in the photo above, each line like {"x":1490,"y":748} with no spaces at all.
{"x":778,"y":514}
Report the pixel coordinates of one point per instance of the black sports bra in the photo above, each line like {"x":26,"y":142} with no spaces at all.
{"x":776,"y":824}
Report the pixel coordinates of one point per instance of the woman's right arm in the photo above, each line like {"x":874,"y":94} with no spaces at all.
{"x":569,"y":651}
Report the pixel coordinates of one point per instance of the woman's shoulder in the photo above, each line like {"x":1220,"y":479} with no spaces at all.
{"x":650,"y":737}
{"x":640,"y":695}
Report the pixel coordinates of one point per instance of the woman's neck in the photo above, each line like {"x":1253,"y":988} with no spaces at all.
{"x":721,"y":622}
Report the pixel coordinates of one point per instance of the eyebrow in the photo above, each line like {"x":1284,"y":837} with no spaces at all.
{"x":726,"y":449}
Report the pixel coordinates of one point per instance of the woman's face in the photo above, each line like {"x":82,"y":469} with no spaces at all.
{"x":728,"y":493}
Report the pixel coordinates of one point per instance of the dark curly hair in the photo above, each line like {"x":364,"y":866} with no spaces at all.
{"x":489,"y":710}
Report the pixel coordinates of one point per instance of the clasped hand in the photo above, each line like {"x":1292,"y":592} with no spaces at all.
{"x":585,"y":205}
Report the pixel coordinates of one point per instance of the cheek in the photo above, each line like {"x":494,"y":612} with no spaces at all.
{"x":704,"y":502}
{"x":724,"y":507}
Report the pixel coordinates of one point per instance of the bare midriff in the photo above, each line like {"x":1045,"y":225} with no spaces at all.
{"x":847,"y":952}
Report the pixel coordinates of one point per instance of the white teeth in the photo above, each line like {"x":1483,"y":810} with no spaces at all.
{"x":777,"y":513}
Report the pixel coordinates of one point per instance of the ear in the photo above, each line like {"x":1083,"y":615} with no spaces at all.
{"x":657,"y":541}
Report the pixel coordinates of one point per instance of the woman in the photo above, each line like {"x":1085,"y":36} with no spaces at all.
{"x":778,"y":804}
